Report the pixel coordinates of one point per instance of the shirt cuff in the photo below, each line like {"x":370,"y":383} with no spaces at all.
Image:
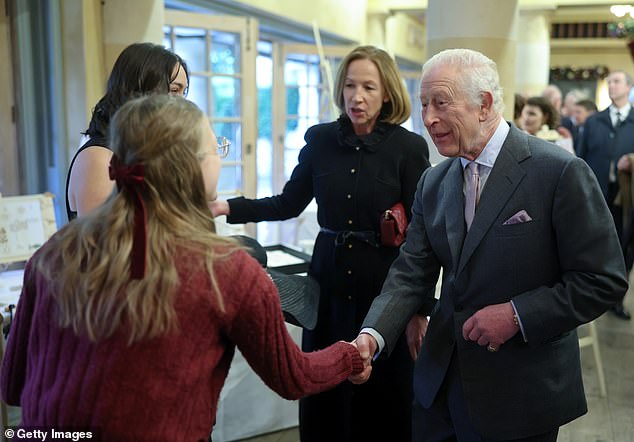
{"x":519,"y":321}
{"x":380,"y":342}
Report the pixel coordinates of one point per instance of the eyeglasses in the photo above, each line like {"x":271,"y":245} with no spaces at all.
{"x":223,"y":147}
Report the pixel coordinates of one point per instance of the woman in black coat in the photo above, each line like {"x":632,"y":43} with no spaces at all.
{"x":356,"y":168}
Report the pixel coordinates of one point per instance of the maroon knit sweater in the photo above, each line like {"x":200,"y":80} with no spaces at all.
{"x":166,"y":388}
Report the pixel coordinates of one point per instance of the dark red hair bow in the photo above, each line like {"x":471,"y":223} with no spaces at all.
{"x":132,"y":179}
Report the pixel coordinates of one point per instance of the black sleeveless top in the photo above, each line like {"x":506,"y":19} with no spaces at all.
{"x":97,"y":141}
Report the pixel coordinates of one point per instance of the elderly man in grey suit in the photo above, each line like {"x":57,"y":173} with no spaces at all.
{"x":528,"y":251}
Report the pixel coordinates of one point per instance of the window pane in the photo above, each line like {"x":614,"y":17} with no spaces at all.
{"x":230,"y":178}
{"x":225,"y":53}
{"x":226,"y":97}
{"x":314,"y":76}
{"x":189,"y":43}
{"x":292,"y":101}
{"x":233,"y":132}
{"x":198,"y":92}
{"x":294,"y":73}
{"x":167,"y":41}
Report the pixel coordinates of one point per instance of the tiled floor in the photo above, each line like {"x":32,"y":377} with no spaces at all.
{"x":609,"y":419}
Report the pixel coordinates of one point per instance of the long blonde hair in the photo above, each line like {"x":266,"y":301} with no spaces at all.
{"x":88,"y":263}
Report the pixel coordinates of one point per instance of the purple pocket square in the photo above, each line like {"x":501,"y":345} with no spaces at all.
{"x":518,"y":218}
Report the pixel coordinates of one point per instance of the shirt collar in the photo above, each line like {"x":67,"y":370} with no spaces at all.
{"x":624,"y":111}
{"x":493,"y":147}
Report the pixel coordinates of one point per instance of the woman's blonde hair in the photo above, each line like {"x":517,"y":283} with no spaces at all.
{"x":88,"y":263}
{"x":398,"y":107}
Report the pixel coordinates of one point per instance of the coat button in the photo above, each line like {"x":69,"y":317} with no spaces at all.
{"x":349,"y":298}
{"x":349,"y":272}
{"x":349,"y":221}
{"x":349,"y":196}
{"x":357,"y":148}
{"x":353,"y":170}
{"x":349,"y":246}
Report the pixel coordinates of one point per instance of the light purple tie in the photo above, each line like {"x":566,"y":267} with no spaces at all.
{"x":473,"y":189}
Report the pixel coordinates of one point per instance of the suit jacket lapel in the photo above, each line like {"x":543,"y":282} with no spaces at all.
{"x":454,"y":213}
{"x":502,"y":182}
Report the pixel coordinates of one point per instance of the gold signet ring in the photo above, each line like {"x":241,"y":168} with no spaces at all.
{"x":492,"y":348}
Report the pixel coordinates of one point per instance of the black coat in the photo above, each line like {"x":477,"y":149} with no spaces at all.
{"x":354,"y":179}
{"x":602,"y":144}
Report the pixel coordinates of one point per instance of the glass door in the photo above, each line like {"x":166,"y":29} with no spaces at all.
{"x":220,"y":52}
{"x":412,"y":84}
{"x":301,"y":98}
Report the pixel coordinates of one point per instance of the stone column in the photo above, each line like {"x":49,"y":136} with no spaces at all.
{"x":375,"y":34}
{"x":533,"y":53}
{"x":488,"y":26}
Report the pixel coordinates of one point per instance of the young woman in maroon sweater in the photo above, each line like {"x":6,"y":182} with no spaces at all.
{"x":129,"y":316}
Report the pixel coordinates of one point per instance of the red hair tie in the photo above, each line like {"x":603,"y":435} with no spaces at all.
{"x":132,"y":179}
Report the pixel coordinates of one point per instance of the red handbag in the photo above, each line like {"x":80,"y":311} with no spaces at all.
{"x":393,"y":226}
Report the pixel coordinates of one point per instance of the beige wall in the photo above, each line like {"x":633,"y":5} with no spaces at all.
{"x":614,"y":58}
{"x":405,"y":37}
{"x":126,"y":22}
{"x":96,"y":71}
{"x":79,"y":67}
{"x":9,"y":180}
{"x":344,"y":18}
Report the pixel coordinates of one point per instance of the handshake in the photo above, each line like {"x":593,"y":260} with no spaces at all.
{"x":367,"y":346}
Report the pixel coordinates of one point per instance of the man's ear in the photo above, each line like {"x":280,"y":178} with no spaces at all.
{"x":486,"y":105}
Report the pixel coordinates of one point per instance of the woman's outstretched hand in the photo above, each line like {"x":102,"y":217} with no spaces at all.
{"x":219,"y":207}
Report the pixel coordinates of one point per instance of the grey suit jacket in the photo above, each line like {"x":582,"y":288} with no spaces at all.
{"x":561,"y":269}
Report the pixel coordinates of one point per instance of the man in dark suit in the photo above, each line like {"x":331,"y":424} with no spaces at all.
{"x":607,"y":137}
{"x":540,"y":256}
{"x":582,"y":110}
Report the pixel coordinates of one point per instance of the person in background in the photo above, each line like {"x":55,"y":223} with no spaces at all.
{"x":528,"y":253}
{"x":141,"y":68}
{"x":536,"y":113}
{"x":129,"y":316}
{"x":518,"y":106}
{"x":552,"y":93}
{"x":567,"y":112}
{"x":608,"y":137}
{"x":570,"y":101}
{"x":356,"y":168}
{"x":540,"y":119}
{"x":581,"y":111}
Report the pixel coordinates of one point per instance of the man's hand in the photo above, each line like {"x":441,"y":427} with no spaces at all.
{"x":415,"y":333}
{"x":367,"y":346}
{"x":219,"y":207}
{"x":492,"y":326}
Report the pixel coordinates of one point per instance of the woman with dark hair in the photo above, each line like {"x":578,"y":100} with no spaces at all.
{"x":539,"y":118}
{"x":537,"y":112}
{"x":356,"y":168}
{"x":142,"y":68}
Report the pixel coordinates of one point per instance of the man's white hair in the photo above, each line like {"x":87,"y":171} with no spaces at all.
{"x":477,"y":74}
